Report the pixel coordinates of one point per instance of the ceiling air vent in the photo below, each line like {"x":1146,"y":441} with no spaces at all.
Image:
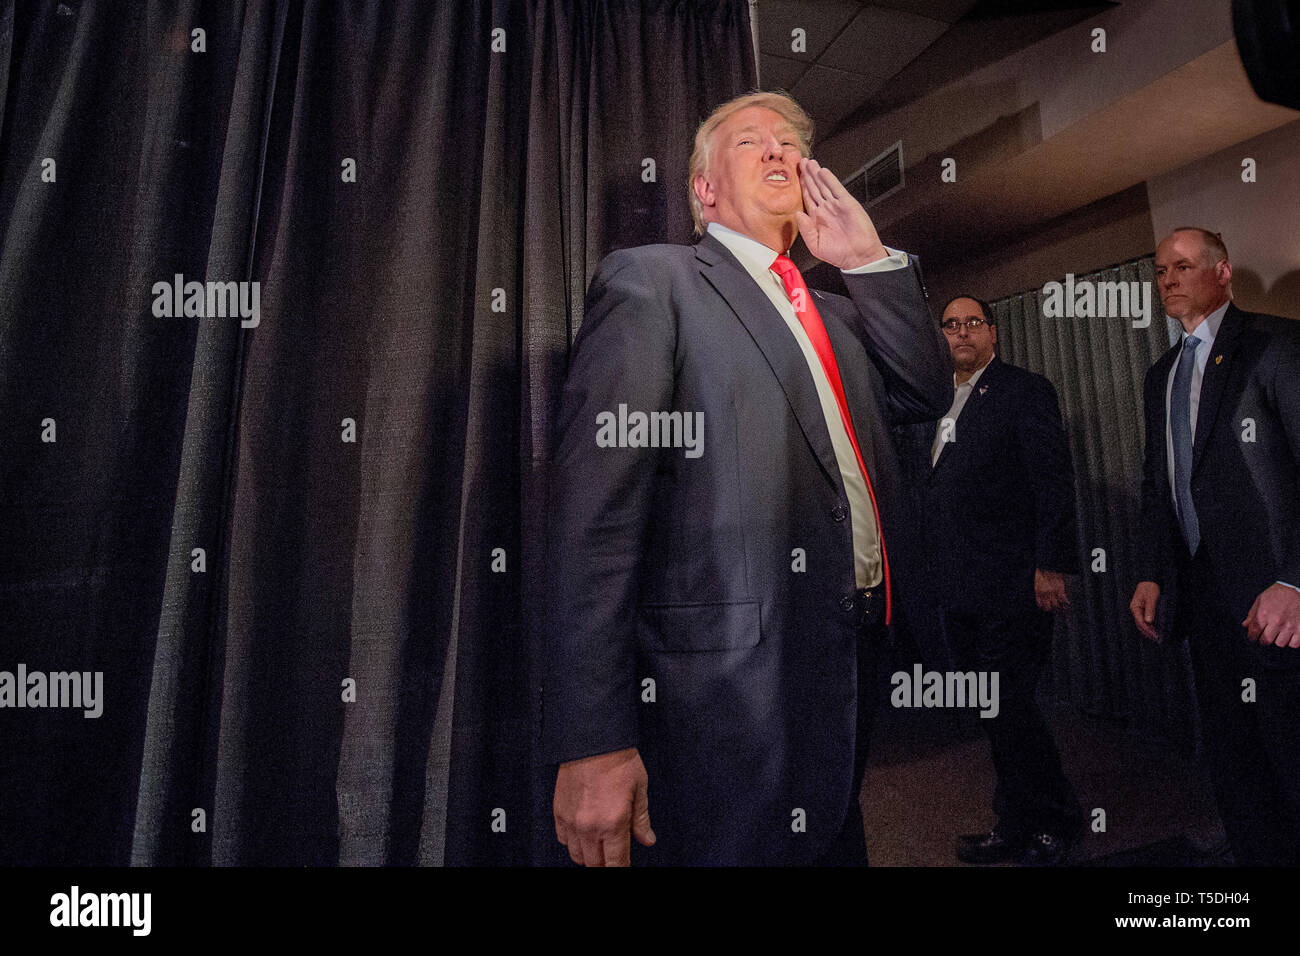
{"x":881,"y":177}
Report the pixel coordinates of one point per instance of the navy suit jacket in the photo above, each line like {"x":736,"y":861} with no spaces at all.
{"x":1245,"y":470}
{"x":697,"y":604}
{"x":1000,"y":503}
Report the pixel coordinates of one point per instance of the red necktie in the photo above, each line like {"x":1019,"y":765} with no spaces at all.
{"x":811,"y":321}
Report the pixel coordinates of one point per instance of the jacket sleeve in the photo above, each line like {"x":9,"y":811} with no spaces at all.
{"x":600,"y":499}
{"x":1285,"y":389}
{"x":1156,"y":518}
{"x":1045,"y":458}
{"x":904,"y":342}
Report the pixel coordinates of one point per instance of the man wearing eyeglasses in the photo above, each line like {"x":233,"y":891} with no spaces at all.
{"x":998,"y":505}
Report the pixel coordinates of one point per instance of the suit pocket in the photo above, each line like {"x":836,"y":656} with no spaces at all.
{"x":699,"y":627}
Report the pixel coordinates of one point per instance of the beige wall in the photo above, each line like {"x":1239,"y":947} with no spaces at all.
{"x":1260,"y":221}
{"x":1115,"y":229}
{"x":1059,"y":78}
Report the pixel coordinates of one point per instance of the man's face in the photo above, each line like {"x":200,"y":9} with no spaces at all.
{"x":753,"y":177}
{"x":971,"y":350}
{"x":1191,"y":286}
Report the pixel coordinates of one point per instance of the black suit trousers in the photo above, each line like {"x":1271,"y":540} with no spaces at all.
{"x":1033,"y":794}
{"x":1251,"y":748}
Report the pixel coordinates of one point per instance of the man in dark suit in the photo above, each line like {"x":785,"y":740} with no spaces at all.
{"x":718,"y":599}
{"x":997,"y":492}
{"x":1220,"y":536}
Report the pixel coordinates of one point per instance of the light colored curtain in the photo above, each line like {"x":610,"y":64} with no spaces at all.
{"x":1100,"y":663}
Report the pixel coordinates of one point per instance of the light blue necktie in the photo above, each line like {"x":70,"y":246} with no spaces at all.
{"x":1180,"y":427}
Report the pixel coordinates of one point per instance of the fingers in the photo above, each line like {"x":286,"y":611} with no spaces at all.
{"x":1267,"y":626}
{"x":592,"y":843}
{"x":813,"y":193}
{"x":1251,"y":623}
{"x":828,"y":184}
{"x":592,"y":850}
{"x":594,"y":805}
{"x":1143,"y":615}
{"x":641,"y":816}
{"x":564,"y":833}
{"x":1143,"y":608}
{"x":618,"y":850}
{"x":1052,"y":597}
{"x":818,"y":183}
{"x":1271,"y":633}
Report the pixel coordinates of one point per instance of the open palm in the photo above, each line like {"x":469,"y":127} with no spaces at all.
{"x":835,"y":227}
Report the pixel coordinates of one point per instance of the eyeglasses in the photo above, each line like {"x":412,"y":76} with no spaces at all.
{"x":953,"y":325}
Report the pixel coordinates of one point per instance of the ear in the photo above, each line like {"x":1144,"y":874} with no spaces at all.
{"x":704,"y":191}
{"x":1223,"y":271}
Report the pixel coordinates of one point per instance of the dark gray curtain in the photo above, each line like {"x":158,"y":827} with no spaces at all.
{"x":1100,"y":662}
{"x":430,"y":303}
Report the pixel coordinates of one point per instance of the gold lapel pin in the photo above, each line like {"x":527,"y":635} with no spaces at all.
{"x":1218,"y":359}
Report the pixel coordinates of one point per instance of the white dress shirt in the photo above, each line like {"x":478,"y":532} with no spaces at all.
{"x":757,"y":260}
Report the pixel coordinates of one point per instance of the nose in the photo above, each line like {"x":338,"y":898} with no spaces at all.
{"x":772,"y":148}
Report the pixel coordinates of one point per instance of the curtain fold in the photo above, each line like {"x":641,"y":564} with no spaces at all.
{"x":1100,"y":663}
{"x":345,"y":672}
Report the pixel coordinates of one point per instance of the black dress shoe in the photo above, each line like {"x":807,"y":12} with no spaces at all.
{"x":1046,"y":849}
{"x":983,"y":849}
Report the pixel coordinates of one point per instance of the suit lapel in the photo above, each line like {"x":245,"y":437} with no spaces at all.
{"x":1217,"y":367}
{"x":972,"y":411}
{"x":756,"y":312}
{"x":1160,"y":397}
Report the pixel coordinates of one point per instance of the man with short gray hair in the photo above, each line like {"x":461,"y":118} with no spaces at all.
{"x":1221,"y":532}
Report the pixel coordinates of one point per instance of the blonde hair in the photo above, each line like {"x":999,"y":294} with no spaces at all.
{"x":778,"y":101}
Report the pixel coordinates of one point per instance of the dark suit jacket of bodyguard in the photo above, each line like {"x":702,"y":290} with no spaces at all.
{"x":1247,"y":493}
{"x":680,"y":570}
{"x":999,"y":503}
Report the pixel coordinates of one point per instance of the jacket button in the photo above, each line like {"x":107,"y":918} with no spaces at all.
{"x":847,"y":603}
{"x":839,"y":512}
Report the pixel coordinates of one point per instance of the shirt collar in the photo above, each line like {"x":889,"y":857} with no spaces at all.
{"x":753,"y":254}
{"x":1208,"y":330}
{"x":975,"y":376}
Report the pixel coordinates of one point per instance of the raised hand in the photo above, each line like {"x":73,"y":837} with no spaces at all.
{"x":834,"y":226}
